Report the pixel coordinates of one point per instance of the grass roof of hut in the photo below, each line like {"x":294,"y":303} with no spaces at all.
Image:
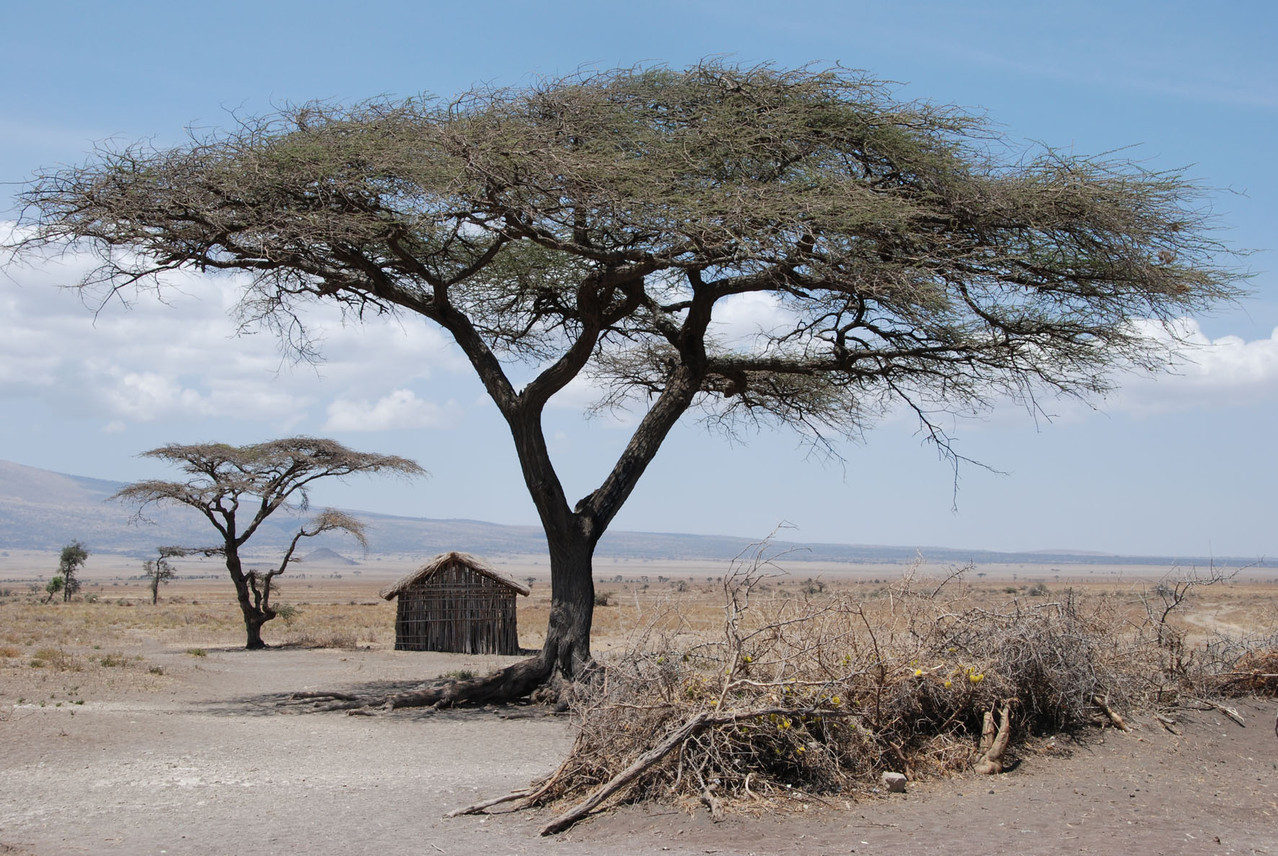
{"x":444,"y":559}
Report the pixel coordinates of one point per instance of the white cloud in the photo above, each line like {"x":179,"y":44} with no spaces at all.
{"x":742,"y":319}
{"x":1207,"y":373}
{"x":177,"y":356}
{"x":399,"y":410}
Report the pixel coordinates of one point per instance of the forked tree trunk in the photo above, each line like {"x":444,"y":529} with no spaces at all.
{"x":254,"y":617}
{"x":253,"y":622}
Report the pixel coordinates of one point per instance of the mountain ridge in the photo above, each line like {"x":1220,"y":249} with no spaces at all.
{"x":43,"y":510}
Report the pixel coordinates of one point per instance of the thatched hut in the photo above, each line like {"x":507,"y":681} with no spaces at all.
{"x":456,"y":603}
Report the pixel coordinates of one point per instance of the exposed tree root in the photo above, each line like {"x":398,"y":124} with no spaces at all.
{"x":516,"y":681}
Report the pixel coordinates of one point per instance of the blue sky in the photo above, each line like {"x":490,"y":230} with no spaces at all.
{"x":1183,"y":465}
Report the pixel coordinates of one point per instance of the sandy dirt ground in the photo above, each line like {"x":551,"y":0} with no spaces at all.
{"x":206,"y":764}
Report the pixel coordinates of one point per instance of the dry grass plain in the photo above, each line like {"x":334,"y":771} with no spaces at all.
{"x":129,"y":727}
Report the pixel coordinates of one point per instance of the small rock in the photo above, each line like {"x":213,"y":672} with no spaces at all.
{"x":893,"y":782}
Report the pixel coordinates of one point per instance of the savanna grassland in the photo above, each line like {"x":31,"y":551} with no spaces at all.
{"x":60,"y":652}
{"x":798,"y":689}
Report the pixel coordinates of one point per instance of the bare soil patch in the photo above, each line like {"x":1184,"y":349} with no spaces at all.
{"x":207,"y":766}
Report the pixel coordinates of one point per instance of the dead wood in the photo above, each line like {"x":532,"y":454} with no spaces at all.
{"x":993,"y":745}
{"x":1111,"y":714}
{"x":675,"y":739}
{"x":1168,"y":723}
{"x":626,"y":776}
{"x":484,"y":805}
{"x":530,"y":795}
{"x":1227,"y":711}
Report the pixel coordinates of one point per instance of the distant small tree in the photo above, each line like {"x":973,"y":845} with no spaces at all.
{"x":69,"y":564}
{"x":238,"y":487}
{"x":160,"y":570}
{"x":54,"y":586}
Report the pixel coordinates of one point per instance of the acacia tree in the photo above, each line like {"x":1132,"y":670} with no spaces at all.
{"x":237,"y":487}
{"x":70,"y":561}
{"x":160,"y":570}
{"x":598,"y":226}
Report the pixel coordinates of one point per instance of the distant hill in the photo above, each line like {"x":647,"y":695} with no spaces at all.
{"x":43,"y":510}
{"x":327,"y":556}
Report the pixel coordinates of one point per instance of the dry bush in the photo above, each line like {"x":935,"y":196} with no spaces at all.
{"x":1239,"y":666}
{"x":1193,"y":655}
{"x":821,"y":693}
{"x":347,"y":626}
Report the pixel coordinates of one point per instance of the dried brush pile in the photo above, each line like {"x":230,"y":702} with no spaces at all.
{"x":1242,"y":667}
{"x":804,"y":697}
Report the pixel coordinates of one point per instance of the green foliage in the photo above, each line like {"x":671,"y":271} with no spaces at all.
{"x":610,"y":215}
{"x":459,"y":675}
{"x":70,"y":562}
{"x":287,"y":612}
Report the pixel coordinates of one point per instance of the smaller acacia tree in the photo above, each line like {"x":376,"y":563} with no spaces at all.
{"x":237,"y":487}
{"x":160,"y":570}
{"x":70,"y":562}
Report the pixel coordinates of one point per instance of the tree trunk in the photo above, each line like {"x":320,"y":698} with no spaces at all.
{"x":572,"y":604}
{"x":253,"y":626}
{"x":254,"y":617}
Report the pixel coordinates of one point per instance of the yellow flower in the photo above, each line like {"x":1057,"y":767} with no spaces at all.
{"x":977,"y":678}
{"x":800,"y":749}
{"x":836,"y":701}
{"x":947,"y":683}
{"x":918,"y":673}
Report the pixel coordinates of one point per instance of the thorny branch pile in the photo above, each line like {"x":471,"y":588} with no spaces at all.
{"x":805,"y":697}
